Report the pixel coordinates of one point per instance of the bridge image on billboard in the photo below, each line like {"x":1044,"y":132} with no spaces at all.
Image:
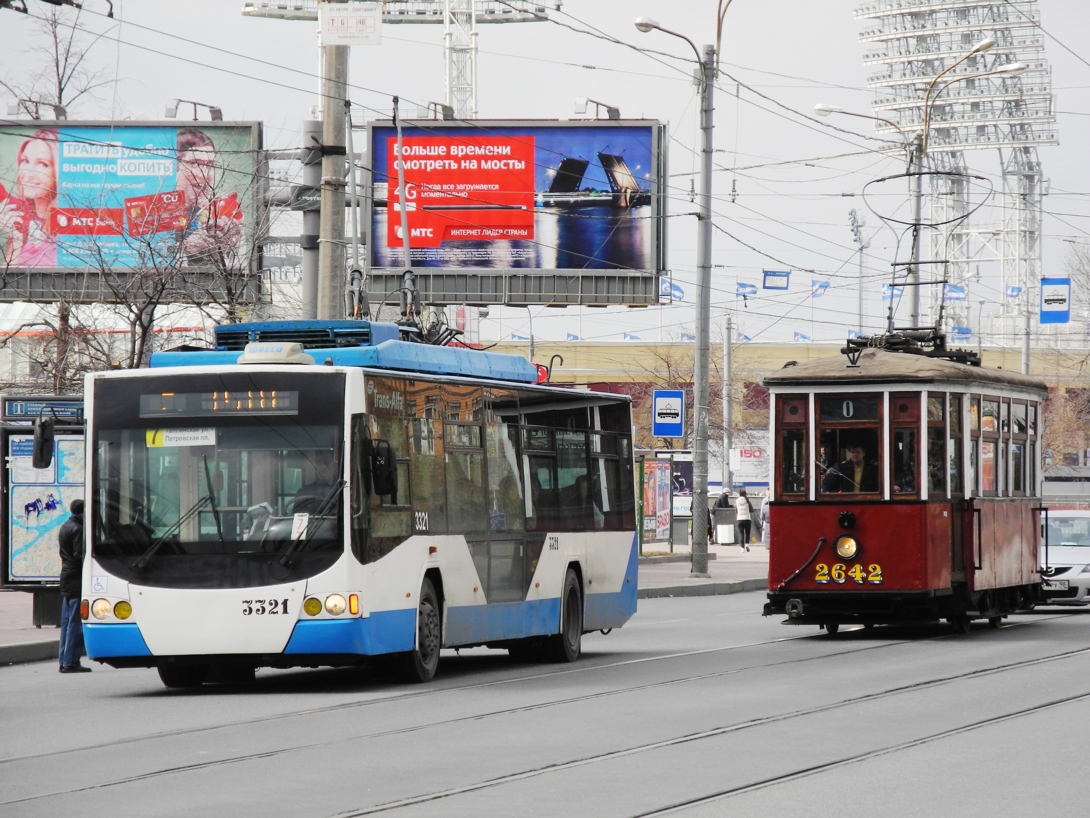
{"x":536,"y":198}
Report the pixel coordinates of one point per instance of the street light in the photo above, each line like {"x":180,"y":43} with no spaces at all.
{"x":612,"y":112}
{"x":706,"y":63}
{"x":171,"y":112}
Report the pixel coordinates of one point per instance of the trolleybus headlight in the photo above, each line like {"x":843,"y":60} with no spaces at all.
{"x":335,"y":604}
{"x":846,"y":547}
{"x":313,"y":606}
{"x":100,"y":608}
{"x":122,"y":610}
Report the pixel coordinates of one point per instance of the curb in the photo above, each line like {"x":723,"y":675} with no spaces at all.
{"x":661,"y":558}
{"x":24,"y":652}
{"x":704,"y":589}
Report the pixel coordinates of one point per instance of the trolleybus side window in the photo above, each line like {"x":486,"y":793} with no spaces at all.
{"x":905,"y":423}
{"x":955,"y":450}
{"x":428,"y":460}
{"x":466,"y":484}
{"x":505,"y":501}
{"x":848,"y":443}
{"x":792,"y":462}
{"x":936,"y":445}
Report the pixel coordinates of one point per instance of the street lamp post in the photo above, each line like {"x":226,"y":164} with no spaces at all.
{"x":706,"y":63}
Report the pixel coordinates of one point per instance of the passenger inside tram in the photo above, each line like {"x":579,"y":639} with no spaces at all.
{"x":855,"y":471}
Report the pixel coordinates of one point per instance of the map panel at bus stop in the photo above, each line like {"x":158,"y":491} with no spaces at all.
{"x":38,"y":502}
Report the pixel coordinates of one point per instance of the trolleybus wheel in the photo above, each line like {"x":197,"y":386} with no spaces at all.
{"x":421,"y":663}
{"x":567,"y":645}
{"x":960,"y":623}
{"x":174,"y":675}
{"x":832,"y":628}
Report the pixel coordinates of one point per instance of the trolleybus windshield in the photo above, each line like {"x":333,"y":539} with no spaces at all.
{"x":218,"y":481}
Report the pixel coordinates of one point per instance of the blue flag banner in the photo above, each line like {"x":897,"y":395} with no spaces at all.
{"x":516,"y":337}
{"x":799,"y":336}
{"x":572,"y":336}
{"x":854,"y":334}
{"x":1013,"y":292}
{"x":628,"y":336}
{"x":687,"y":336}
{"x":890,"y":292}
{"x":668,"y":289}
{"x":818,"y":288}
{"x":961,"y":333}
{"x":776,"y":280}
{"x":742,"y":338}
{"x":745,"y":289}
{"x":955,"y":292}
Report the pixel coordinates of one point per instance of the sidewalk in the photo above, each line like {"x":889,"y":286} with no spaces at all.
{"x":732,"y":571}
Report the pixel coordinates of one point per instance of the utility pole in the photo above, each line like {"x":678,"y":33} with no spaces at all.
{"x":311,"y":155}
{"x":331,"y":244}
{"x":912,"y":280}
{"x":728,"y":401}
{"x":857,"y":230}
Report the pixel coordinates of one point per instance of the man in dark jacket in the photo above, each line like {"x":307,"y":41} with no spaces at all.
{"x":853,"y":475}
{"x":70,"y":539}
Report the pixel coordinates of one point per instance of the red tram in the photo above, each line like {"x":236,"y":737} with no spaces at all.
{"x":906,"y":488}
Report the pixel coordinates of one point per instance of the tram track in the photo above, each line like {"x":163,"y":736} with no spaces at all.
{"x":499,"y":781}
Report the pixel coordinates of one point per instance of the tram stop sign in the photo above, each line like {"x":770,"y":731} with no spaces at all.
{"x":668,"y":413}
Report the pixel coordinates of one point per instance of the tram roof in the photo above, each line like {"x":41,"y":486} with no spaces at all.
{"x":878,"y":367}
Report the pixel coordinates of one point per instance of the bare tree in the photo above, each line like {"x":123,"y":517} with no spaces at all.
{"x":59,"y":71}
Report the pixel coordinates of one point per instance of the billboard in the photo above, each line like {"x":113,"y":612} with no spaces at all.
{"x":560,"y":197}
{"x":79,"y":195}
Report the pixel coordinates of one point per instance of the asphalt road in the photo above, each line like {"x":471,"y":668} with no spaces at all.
{"x":698,"y":707}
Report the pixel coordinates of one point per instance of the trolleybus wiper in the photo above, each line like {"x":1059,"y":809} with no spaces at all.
{"x":326,"y":504}
{"x":170,"y":532}
{"x":212,"y":501}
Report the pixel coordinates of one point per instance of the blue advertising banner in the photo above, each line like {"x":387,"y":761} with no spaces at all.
{"x":777,"y":280}
{"x":126,"y":195}
{"x":955,"y":292}
{"x":543,"y":196}
{"x":743,"y":289}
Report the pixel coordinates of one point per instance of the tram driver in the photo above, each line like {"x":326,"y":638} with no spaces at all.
{"x":852,"y":475}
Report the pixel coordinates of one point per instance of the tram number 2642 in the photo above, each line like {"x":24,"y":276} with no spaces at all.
{"x":841,"y":573}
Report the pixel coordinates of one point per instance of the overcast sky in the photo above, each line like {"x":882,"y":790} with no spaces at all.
{"x":794,"y":177}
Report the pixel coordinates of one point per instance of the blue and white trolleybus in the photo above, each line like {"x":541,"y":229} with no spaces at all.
{"x":314,"y":493}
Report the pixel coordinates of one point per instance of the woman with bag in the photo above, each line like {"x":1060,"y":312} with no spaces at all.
{"x":744,"y":517}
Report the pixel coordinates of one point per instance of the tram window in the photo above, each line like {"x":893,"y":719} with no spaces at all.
{"x":1033,"y":418}
{"x":904,"y":461}
{"x":1031,"y":468}
{"x":974,"y":415}
{"x":936,"y":460}
{"x":1001,"y":469}
{"x":935,"y":407}
{"x":793,"y":461}
{"x":955,"y":451}
{"x":990,"y":417}
{"x":1018,"y":453}
{"x":852,"y":462}
{"x":987,"y":467}
{"x":974,"y":457}
{"x":1005,"y":415}
{"x":1019,"y":411}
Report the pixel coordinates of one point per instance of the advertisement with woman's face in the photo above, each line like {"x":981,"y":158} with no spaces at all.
{"x":127,"y":196}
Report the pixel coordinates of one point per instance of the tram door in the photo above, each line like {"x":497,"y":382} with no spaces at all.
{"x":961,"y":531}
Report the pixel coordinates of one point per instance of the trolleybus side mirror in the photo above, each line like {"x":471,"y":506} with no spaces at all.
{"x":42,"y":453}
{"x":384,"y":469}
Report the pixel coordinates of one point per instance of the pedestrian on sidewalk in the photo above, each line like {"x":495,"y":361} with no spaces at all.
{"x":743,"y":517}
{"x":72,"y":548}
{"x":722,"y":501}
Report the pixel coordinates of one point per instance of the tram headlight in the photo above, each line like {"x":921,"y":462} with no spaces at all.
{"x":335,"y":604}
{"x":122,"y":610}
{"x":313,"y":606}
{"x":100,"y":608}
{"x":846,"y":547}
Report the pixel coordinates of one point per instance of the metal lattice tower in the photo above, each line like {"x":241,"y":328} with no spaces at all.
{"x":909,"y":42}
{"x":459,"y":18}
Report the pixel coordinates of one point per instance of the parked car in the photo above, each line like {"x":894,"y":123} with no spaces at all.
{"x":1067,"y":572}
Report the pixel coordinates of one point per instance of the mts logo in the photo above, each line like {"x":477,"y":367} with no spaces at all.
{"x":426,"y":232}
